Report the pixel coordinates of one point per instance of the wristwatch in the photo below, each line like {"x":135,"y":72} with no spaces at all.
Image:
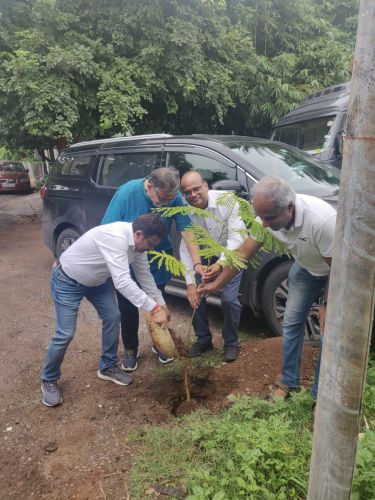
{"x":322,"y":301}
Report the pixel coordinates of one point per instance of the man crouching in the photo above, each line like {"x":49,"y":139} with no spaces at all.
{"x":83,"y":271}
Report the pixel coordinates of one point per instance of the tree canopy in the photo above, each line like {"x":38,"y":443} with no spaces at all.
{"x":80,"y":69}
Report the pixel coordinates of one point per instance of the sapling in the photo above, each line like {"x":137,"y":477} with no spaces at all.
{"x":209,"y":248}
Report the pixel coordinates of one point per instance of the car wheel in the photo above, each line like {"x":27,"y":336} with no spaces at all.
{"x":66,"y":238}
{"x":274,"y":296}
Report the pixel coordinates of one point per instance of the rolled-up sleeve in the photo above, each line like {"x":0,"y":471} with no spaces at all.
{"x":234,"y":224}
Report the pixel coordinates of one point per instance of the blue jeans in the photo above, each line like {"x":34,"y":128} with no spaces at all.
{"x":303,"y":289}
{"x":67,"y":295}
{"x":231,"y":311}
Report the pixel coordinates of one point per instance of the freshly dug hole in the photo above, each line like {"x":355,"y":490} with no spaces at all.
{"x":171,"y":393}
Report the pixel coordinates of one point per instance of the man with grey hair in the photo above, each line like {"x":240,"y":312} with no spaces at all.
{"x":306,"y":226}
{"x":135,"y":198}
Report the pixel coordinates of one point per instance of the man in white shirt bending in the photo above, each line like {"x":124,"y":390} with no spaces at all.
{"x":225,"y":232}
{"x":83,"y":271}
{"x":306,"y":225}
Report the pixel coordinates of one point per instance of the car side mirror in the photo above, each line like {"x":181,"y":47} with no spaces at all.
{"x":230,"y":185}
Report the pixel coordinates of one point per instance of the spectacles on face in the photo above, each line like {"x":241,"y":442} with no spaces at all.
{"x":274,"y":216}
{"x":151,"y":244}
{"x":195,"y":190}
{"x":270,"y":218}
{"x":163,"y":199}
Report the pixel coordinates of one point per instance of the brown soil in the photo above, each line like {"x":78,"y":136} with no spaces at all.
{"x":77,"y":450}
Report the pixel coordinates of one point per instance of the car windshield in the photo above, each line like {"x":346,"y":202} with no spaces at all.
{"x":311,"y":135}
{"x":304,"y":174}
{"x":12,"y":167}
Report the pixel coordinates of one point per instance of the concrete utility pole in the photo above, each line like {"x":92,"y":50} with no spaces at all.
{"x":351,"y":292}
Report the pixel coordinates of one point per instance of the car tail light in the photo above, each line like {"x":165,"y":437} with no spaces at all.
{"x":42,"y":191}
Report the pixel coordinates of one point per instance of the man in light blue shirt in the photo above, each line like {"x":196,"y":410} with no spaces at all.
{"x":135,"y":198}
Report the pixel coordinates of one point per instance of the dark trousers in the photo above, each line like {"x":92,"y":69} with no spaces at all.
{"x":130,"y":320}
{"x":231,"y":308}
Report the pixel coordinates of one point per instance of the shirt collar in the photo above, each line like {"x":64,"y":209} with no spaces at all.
{"x":298,"y":213}
{"x":129,"y":230}
{"x":211,"y":200}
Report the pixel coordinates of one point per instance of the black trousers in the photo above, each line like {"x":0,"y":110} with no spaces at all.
{"x":130,"y":320}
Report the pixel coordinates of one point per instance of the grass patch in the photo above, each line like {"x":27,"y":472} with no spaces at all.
{"x":253,"y":450}
{"x":198,"y":364}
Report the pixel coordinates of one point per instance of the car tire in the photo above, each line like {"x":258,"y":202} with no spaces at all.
{"x":66,"y":238}
{"x":274,"y":296}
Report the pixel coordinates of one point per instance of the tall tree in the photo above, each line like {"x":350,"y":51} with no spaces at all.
{"x":352,"y":286}
{"x":77,"y":69}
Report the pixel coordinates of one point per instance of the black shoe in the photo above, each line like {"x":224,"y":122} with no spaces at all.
{"x":231,"y":352}
{"x":197,"y":349}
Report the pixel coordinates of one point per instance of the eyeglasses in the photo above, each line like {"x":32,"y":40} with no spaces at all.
{"x":195,"y":190}
{"x":163,"y":199}
{"x":274,"y":216}
{"x":151,"y":244}
{"x":270,"y":218}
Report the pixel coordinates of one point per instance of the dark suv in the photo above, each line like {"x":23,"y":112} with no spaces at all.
{"x":86,"y":175}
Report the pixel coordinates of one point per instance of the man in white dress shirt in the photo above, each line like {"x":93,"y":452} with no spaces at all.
{"x":224,"y":232}
{"x":83,"y":271}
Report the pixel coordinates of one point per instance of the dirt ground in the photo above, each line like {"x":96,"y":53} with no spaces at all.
{"x":77,"y":450}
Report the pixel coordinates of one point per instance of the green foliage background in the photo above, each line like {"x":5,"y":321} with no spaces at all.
{"x":78,"y":69}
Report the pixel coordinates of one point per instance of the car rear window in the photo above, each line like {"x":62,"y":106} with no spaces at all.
{"x":12,"y":167}
{"x":71,"y":165}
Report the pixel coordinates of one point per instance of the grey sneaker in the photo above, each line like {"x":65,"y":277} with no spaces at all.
{"x":129,"y":362}
{"x":51,"y":393}
{"x":114,"y":374}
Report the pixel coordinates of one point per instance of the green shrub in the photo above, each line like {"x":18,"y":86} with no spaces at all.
{"x":253,"y":450}
{"x":41,"y":182}
{"x":364,"y":477}
{"x":368,"y":408}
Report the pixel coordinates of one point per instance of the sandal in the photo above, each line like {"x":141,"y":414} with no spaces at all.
{"x":279,"y":391}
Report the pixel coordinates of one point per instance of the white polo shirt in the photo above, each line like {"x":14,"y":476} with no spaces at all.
{"x":312,"y":234}
{"x":106,"y":251}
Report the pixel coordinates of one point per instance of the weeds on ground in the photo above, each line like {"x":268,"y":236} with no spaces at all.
{"x":364,"y":477}
{"x":253,"y":450}
{"x":368,"y":409}
{"x":198,"y":365}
